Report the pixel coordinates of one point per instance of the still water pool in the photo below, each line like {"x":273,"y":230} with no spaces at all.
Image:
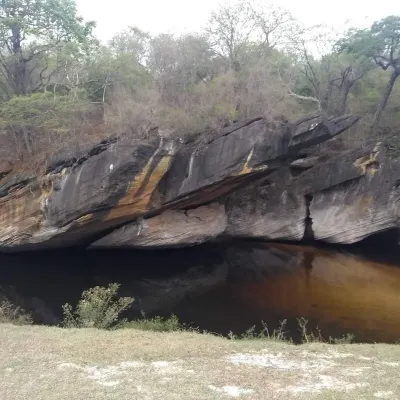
{"x":224,"y":288}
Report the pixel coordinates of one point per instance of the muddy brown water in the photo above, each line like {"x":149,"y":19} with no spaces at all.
{"x":225,"y":289}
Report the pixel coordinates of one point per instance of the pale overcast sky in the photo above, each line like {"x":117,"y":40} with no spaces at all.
{"x":177,"y":16}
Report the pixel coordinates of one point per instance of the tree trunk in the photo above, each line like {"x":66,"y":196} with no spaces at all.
{"x":26,"y":137}
{"x":19,"y":64}
{"x":344,"y":106}
{"x":382,"y":104}
{"x":20,"y":75}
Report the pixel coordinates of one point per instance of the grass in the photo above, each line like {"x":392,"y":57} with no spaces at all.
{"x":280,"y":334}
{"x":101,"y":308}
{"x":53,"y":363}
{"x":156,"y":324}
{"x":154,"y":358}
{"x":12,"y":314}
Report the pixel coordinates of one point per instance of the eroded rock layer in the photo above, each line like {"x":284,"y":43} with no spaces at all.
{"x":249,"y":180}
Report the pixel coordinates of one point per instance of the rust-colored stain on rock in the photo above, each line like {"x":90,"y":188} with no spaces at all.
{"x":246,"y":169}
{"x":20,"y":214}
{"x":84,"y":219}
{"x":137,"y":198}
{"x":369,"y":164}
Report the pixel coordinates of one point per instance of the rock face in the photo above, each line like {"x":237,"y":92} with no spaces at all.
{"x":172,"y":228}
{"x":354,"y":196}
{"x":112,"y":184}
{"x":268,"y":209}
{"x":248,"y":180}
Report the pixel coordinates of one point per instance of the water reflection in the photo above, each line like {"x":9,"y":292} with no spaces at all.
{"x":339,"y":293}
{"x":223,"y":289}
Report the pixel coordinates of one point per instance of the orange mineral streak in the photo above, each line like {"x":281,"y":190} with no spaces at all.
{"x":363,"y":297}
{"x":20,"y":214}
{"x":136,"y":201}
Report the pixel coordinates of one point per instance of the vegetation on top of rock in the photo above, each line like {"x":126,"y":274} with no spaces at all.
{"x":380,"y":44}
{"x":268,"y":65}
{"x":40,"y":38}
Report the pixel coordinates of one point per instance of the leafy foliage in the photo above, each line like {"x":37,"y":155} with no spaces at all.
{"x":99,"y":307}
{"x":31,"y":122}
{"x":41,"y":110}
{"x":380,"y":43}
{"x":251,"y":59}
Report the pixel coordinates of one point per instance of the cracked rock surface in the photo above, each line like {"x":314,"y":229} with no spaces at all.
{"x":249,"y":180}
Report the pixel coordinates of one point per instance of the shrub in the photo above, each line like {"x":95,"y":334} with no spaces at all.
{"x":345,"y":339}
{"x":12,"y":314}
{"x":308,"y":336}
{"x":278,"y":334}
{"x":156,"y":324}
{"x":281,"y":334}
{"x":43,"y":123}
{"x":99,"y":307}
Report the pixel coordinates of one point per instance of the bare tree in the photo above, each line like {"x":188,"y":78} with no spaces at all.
{"x":230,"y":29}
{"x":177,"y":63}
{"x":351,"y":70}
{"x":275,"y":27}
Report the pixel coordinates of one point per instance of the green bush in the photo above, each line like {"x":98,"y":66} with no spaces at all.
{"x":99,"y":307}
{"x":11,"y":314}
{"x":156,"y":324}
{"x":41,"y":111}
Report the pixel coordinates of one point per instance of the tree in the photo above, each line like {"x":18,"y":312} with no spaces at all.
{"x":132,"y":42}
{"x":33,"y":33}
{"x":326,"y":73}
{"x":275,"y":27}
{"x":350,"y":70}
{"x":178,"y":63}
{"x":313,"y":72}
{"x":247,"y":25}
{"x":380,"y":43}
{"x":229,"y":30}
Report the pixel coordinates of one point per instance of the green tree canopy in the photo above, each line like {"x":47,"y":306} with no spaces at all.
{"x":32,"y":32}
{"x":380,"y":43}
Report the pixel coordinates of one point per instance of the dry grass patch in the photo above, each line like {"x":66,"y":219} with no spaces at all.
{"x":52,"y":363}
{"x":10,"y":313}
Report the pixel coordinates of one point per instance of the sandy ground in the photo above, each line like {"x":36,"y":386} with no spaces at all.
{"x":51,"y":363}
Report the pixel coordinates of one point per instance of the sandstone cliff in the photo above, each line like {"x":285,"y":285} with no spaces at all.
{"x":247,"y":181}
